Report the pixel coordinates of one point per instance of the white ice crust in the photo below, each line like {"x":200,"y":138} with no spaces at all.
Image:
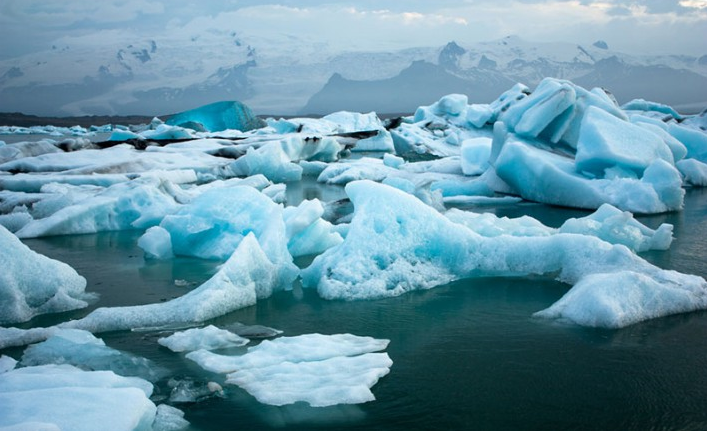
{"x":322,"y":370}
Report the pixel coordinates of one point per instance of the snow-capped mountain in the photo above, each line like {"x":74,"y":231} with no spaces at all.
{"x":288,"y":75}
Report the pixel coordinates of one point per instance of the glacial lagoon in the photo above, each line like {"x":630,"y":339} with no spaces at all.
{"x":467,"y":355}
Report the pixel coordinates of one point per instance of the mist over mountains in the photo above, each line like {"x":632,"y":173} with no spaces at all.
{"x":280,"y":78}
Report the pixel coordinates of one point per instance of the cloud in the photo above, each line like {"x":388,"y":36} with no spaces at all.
{"x":642,"y":25}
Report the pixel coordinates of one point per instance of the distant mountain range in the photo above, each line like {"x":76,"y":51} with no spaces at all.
{"x":285,"y":77}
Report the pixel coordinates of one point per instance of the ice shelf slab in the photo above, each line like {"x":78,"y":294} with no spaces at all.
{"x":322,"y":370}
{"x":396,"y":244}
{"x":67,"y":398}
{"x":32,"y":284}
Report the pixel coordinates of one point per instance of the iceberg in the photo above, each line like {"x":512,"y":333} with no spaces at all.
{"x":552,"y":178}
{"x":247,"y":275}
{"x":216,"y":221}
{"x":396,"y":244}
{"x":306,"y":231}
{"x":277,"y":160}
{"x":65,"y":397}
{"x":33,"y":284}
{"x":207,"y":338}
{"x":322,"y":370}
{"x":136,"y":204}
{"x":219,"y":116}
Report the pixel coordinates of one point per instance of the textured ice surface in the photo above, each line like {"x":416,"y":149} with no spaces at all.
{"x":136,"y":204}
{"x":321,"y":370}
{"x":219,"y":116}
{"x":306,"y":231}
{"x":213,"y":224}
{"x":207,"y":338}
{"x":157,"y":243}
{"x":246,"y":276}
{"x":606,"y":141}
{"x":277,"y":160}
{"x":694,"y":171}
{"x":619,"y":227}
{"x":552,"y":178}
{"x":397,"y":244}
{"x":32,"y":284}
{"x":71,"y":399}
{"x":81,"y":349}
{"x":623,"y":298}
{"x":6,"y":364}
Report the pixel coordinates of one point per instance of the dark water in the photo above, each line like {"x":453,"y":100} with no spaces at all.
{"x":466,"y":356}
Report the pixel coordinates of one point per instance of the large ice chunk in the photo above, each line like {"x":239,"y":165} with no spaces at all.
{"x":219,"y":116}
{"x":32,"y":284}
{"x":207,"y":338}
{"x":623,"y":298}
{"x":277,"y":160}
{"x":321,"y":370}
{"x":619,"y":227}
{"x":307,"y":232}
{"x":396,"y":244}
{"x":213,"y":224}
{"x":549,"y":177}
{"x":694,"y":171}
{"x":71,"y":399}
{"x":247,"y":275}
{"x":606,"y":142}
{"x":555,"y":110}
{"x":136,"y":204}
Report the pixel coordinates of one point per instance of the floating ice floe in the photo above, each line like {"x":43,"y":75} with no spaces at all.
{"x":81,"y":349}
{"x":396,"y":244}
{"x":322,"y":370}
{"x":136,"y":204}
{"x":32,"y":284}
{"x":57,"y":396}
{"x":246,"y":276}
{"x":207,"y":338}
{"x":277,"y":160}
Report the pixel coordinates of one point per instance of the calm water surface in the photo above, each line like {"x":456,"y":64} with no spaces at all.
{"x":467,"y":355}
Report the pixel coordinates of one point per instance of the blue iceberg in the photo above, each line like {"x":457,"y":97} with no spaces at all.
{"x":219,"y":116}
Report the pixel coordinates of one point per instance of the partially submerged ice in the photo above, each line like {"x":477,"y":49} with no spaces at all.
{"x":246,"y":276}
{"x":81,"y":349}
{"x":56,"y":397}
{"x":396,"y":244}
{"x":321,"y":370}
{"x":219,"y":116}
{"x":32,"y":284}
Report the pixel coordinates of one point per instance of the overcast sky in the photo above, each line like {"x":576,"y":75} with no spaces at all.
{"x":639,"y":26}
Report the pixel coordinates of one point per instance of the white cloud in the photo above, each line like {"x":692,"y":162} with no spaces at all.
{"x":696,"y":4}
